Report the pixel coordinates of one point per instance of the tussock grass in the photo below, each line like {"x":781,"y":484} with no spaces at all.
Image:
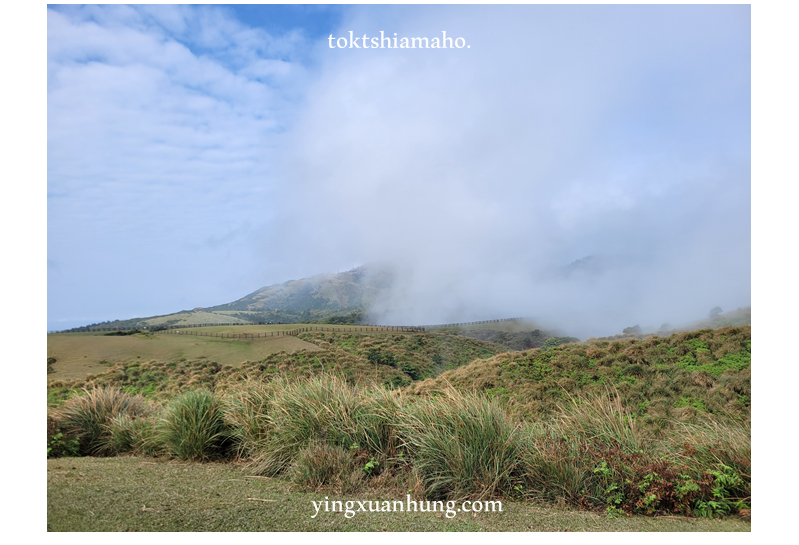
{"x":87,"y":417}
{"x":192,"y":427}
{"x":246,"y":411}
{"x":583,"y":452}
{"x":462,"y":445}
{"x":323,"y":465}
{"x":132,"y":434}
{"x":714,"y":445}
{"x":641,"y":426}
{"x":323,"y":409}
{"x":600,"y":420}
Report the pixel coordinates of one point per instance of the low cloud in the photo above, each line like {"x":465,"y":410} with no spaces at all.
{"x":193,"y":158}
{"x":562,"y":132}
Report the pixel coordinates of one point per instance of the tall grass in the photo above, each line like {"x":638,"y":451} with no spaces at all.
{"x":323,"y":409}
{"x":192,"y":426}
{"x":600,"y":418}
{"x":132,"y":434}
{"x":716,"y":447}
{"x":586,"y":452}
{"x":594,"y":454}
{"x":327,"y":432}
{"x":87,"y":416}
{"x":462,"y":445}
{"x":322,"y":465}
{"x":246,"y":409}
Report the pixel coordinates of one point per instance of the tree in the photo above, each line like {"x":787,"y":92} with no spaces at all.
{"x":715,"y":311}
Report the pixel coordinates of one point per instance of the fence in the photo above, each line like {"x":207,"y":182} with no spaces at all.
{"x":459,"y":324}
{"x":290,"y":332}
{"x":172,"y":329}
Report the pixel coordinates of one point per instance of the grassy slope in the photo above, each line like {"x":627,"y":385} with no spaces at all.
{"x":145,"y":494}
{"x":173,"y":363}
{"x":658,"y":379}
{"x":79,"y":355}
{"x":416,"y":355}
{"x":680,"y":375}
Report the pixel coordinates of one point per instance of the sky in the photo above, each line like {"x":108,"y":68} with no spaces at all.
{"x":198,"y":153}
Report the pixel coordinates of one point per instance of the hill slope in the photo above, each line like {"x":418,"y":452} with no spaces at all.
{"x":303,"y":300}
{"x":703,"y":371}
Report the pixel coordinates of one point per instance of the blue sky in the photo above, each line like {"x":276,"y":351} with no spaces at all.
{"x":197,"y":153}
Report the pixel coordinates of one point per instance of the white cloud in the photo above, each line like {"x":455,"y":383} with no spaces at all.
{"x":563,"y":131}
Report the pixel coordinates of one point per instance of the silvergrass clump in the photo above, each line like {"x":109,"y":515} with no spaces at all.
{"x":322,"y":465}
{"x":601,"y":420}
{"x":246,"y":409}
{"x":462,"y":445}
{"x":554,"y":467}
{"x":192,"y":428}
{"x":274,"y":422}
{"x":321,"y":409}
{"x":594,"y":455}
{"x":715,"y":445}
{"x":86,"y":417}
{"x":132,"y":434}
{"x":582,"y":453}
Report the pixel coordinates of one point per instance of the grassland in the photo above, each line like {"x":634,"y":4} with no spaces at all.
{"x":129,"y":493}
{"x":655,"y":426}
{"x":685,"y":374}
{"x":91,"y":353}
{"x":165,"y":364}
{"x":80,"y":354}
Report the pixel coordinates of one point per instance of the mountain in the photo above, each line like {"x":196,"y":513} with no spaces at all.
{"x":320,"y":294}
{"x":344,"y":294}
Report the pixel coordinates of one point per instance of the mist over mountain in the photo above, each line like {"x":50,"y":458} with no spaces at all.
{"x":379,"y":293}
{"x":350,"y":290}
{"x":615,"y":138}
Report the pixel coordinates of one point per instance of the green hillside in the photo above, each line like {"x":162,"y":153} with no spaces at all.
{"x":163,"y":365}
{"x":353,"y":289}
{"x":658,"y":378}
{"x":655,"y":426}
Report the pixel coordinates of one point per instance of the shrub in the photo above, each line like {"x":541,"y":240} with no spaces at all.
{"x":59,"y":444}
